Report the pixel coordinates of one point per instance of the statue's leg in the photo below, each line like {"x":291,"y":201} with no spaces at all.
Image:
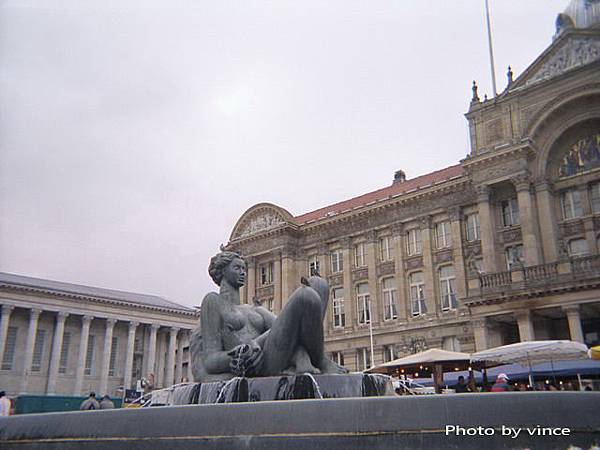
{"x":299,"y":324}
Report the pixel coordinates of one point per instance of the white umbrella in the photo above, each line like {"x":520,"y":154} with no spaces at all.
{"x":532,"y":352}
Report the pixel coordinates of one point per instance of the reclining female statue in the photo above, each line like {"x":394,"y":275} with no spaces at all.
{"x":248,"y":340}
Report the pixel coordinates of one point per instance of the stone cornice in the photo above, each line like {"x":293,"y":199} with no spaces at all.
{"x":92,"y":299}
{"x":493,"y":156}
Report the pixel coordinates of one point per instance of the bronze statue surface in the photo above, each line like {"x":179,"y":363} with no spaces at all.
{"x":236,"y":339}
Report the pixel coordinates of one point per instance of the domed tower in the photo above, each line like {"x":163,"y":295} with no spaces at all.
{"x":579,"y":14}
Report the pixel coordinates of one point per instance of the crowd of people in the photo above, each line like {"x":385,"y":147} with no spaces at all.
{"x":92,"y":403}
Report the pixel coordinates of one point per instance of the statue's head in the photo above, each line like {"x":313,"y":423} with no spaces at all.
{"x":230,"y":266}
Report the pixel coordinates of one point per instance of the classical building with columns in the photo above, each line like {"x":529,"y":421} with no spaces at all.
{"x":66,"y":339}
{"x":500,"y":248}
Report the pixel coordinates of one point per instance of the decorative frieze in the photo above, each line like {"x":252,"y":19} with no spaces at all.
{"x":572,"y":228}
{"x":265,"y":291}
{"x":512,"y":235}
{"x":336,"y":280}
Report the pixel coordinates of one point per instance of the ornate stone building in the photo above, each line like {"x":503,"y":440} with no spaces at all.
{"x":65,"y":339}
{"x":501,"y":248}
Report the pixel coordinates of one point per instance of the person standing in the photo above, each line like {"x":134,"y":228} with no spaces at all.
{"x":4,"y":405}
{"x":501,"y":384}
{"x":106,"y":403}
{"x":90,"y":403}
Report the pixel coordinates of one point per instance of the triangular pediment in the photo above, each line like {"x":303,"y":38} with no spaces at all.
{"x":572,"y":50}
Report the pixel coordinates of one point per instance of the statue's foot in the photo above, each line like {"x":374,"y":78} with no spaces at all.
{"x":330,"y":367}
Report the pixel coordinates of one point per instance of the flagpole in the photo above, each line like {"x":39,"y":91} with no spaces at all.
{"x":491,"y":48}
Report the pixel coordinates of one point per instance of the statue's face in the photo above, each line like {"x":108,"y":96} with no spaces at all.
{"x":235,"y":272}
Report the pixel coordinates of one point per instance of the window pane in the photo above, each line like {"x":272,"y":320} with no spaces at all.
{"x":38,"y":351}
{"x":578,"y":247}
{"x":595,"y":197}
{"x":9,"y":348}
{"x":113,"y":356}
{"x":64,"y":353}
{"x":89,"y":356}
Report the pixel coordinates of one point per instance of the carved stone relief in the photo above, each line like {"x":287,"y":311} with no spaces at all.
{"x":336,"y":280}
{"x":577,"y":52}
{"x":494,"y":132}
{"x":442,"y":257}
{"x":360,"y":274}
{"x":512,"y":236}
{"x":266,"y":291}
{"x":414,"y":263}
{"x":262,"y":221}
{"x":572,"y":228}
{"x":386,"y":268}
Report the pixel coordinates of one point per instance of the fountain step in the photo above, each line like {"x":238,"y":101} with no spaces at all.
{"x":293,"y":387}
{"x":383,"y":423}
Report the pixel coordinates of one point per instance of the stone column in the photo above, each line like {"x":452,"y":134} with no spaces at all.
{"x":403,"y":306}
{"x":428,"y":270}
{"x":548,"y":227}
{"x":108,"y":334}
{"x":251,"y":291}
{"x":529,"y":228}
{"x":152,"y":350}
{"x":488,"y":229}
{"x":480,"y":332}
{"x":574,"y":319}
{"x":458,"y":257}
{"x":277,"y":283}
{"x":34,"y":317}
{"x":190,"y":375}
{"x":83,"y":344}
{"x":324,"y":271}
{"x":171,"y":357}
{"x":349,"y":294}
{"x":179,"y":359}
{"x":371,"y":260}
{"x":526,"y":332}
{"x":6,"y":312}
{"x":127,"y":372}
{"x":287,"y":275}
{"x":59,"y":330}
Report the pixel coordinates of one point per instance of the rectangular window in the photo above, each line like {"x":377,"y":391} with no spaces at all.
{"x":513,"y":255}
{"x":271,"y":305}
{"x":473,"y":229}
{"x":389,"y":353}
{"x":64,"y":353}
{"x":417,"y":294}
{"x":448,"y":288}
{"x":595,"y":198}
{"x":266,"y":273}
{"x":385,"y":248}
{"x":313,"y":266}
{"x":363,"y":359}
{"x":388,"y":287}
{"x":578,"y":248}
{"x":112,"y":369}
{"x":337,"y":261}
{"x":414,"y":245}
{"x":89,"y":355}
{"x":359,"y":255}
{"x":510,"y":212}
{"x":339,"y":315}
{"x":443,"y":235}
{"x":337,"y":357}
{"x":9,"y":348}
{"x":38,"y":351}
{"x":570,"y":203}
{"x":363,"y":302}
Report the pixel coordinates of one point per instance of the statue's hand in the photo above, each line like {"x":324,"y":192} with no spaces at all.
{"x":246,"y":359}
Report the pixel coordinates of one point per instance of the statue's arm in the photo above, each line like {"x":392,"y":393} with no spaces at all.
{"x":216,"y":360}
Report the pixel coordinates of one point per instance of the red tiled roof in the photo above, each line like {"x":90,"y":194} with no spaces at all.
{"x":381,"y":194}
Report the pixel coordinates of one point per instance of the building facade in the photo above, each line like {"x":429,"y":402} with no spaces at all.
{"x":500,"y":248}
{"x":65,"y":339}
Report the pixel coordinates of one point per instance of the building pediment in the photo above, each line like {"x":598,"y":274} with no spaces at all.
{"x":260,"y":219}
{"x":570,"y":51}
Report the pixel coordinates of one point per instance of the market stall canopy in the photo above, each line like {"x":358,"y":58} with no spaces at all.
{"x":531,"y":352}
{"x":427,"y":359}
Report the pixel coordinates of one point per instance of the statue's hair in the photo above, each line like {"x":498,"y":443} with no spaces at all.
{"x":218,"y":264}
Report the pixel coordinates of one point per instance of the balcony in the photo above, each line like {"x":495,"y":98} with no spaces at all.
{"x":570,"y":274}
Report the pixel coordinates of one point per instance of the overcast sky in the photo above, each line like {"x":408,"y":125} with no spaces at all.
{"x":134,"y":134}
